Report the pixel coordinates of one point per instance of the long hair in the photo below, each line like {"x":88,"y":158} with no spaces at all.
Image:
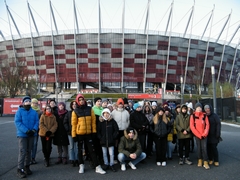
{"x":156,"y":118}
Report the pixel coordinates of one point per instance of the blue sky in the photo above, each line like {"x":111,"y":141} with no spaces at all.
{"x":135,"y":15}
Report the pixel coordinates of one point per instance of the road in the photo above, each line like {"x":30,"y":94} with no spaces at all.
{"x":228,"y":169}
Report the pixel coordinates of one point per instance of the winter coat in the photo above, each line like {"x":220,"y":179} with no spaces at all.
{"x":199,"y":126}
{"x":160,"y":127}
{"x":61,"y":137}
{"x":83,"y":121}
{"x":121,"y":116}
{"x":97,"y":110}
{"x":26,"y":120}
{"x":139,"y":122}
{"x":215,"y":127}
{"x":67,"y":122}
{"x":47,"y":123}
{"x":129,"y":146}
{"x":107,"y":131}
{"x":182,"y":123}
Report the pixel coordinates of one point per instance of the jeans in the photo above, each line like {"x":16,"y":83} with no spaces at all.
{"x":212,"y":152}
{"x":169,"y":149}
{"x":34,"y":148}
{"x":111,"y":154}
{"x":202,"y":148}
{"x":24,"y":154}
{"x":122,"y":158}
{"x":62,"y":151}
{"x":72,"y":149}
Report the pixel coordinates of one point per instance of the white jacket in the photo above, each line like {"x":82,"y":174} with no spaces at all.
{"x":122,"y":118}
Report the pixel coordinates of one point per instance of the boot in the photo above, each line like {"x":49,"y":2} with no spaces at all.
{"x":199,"y":163}
{"x":64,"y":160}
{"x":206,"y":166}
{"x":27,"y":170}
{"x":210,"y":162}
{"x":59,"y":161}
{"x":81,"y":168}
{"x":216,"y":164}
{"x":76,"y":163}
{"x":46,"y":162}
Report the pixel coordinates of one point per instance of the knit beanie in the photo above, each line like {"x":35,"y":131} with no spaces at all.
{"x":198,"y":104}
{"x":125,"y":100}
{"x":26,"y":98}
{"x":154,"y":103}
{"x":34,"y":100}
{"x":160,"y":109}
{"x":96,"y":99}
{"x":120,"y":101}
{"x":63,"y":104}
{"x":130,"y":129}
{"x":136,"y":105}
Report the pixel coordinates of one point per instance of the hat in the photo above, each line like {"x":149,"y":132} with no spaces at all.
{"x":177,"y":106}
{"x":190,"y":105}
{"x":34,"y":100}
{"x":198,"y":104}
{"x":106,"y":110}
{"x":62,"y":103}
{"x":130,"y":129}
{"x":89,"y":101}
{"x":136,"y":105}
{"x":109,"y":105}
{"x":165,"y":104}
{"x":160,"y":109}
{"x":184,"y":106}
{"x":120,"y":101}
{"x":26,"y":98}
{"x":125,"y":100}
{"x":154,"y":103}
{"x":167,"y":109}
{"x":104,"y":100}
{"x":96,"y":99}
{"x":207,"y":107}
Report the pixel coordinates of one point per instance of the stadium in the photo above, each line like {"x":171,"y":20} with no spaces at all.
{"x":122,"y":59}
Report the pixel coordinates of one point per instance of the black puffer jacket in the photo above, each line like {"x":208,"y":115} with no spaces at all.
{"x":215,"y":127}
{"x":139,"y":122}
{"x":107,"y":131}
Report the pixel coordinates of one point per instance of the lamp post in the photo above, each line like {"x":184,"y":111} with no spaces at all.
{"x":56,"y":92}
{"x":221,"y":91}
{"x":214,"y":89}
{"x":163,"y":91}
{"x":26,"y":89}
{"x":181,"y":81}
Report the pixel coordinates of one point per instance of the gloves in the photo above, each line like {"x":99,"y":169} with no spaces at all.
{"x":75,"y":139}
{"x":48,"y":133}
{"x":31,"y":132}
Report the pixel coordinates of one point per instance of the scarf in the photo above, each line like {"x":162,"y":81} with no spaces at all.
{"x":36,"y":108}
{"x":48,"y":113}
{"x":61,"y":112}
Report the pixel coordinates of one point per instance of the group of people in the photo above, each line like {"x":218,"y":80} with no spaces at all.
{"x":106,"y":133}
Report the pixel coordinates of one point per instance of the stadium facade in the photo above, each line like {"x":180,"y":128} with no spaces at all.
{"x":122,"y":58}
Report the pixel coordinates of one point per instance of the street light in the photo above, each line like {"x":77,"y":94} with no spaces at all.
{"x":214,"y":89}
{"x":181,"y":81}
{"x":163,"y":91}
{"x":26,"y":89}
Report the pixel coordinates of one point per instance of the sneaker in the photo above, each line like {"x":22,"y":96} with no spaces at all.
{"x":20,"y":173}
{"x":123,"y":167}
{"x":27,"y":170}
{"x":164,"y":163}
{"x":100,"y":170}
{"x":187,"y":161}
{"x":33,"y":161}
{"x":112,"y":168}
{"x":132,"y":165}
{"x":81,"y":168}
{"x":159,"y":163}
{"x":180,"y":161}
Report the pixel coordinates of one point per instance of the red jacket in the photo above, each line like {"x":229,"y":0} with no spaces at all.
{"x":199,"y":126}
